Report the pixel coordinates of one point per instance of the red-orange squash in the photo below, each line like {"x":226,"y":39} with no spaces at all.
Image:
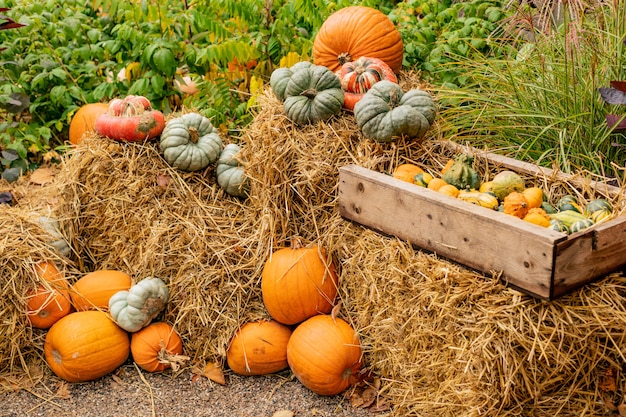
{"x":155,"y":347}
{"x":259,"y":348}
{"x":85,"y":345}
{"x":50,"y":301}
{"x":324,"y":353}
{"x":357,"y":77}
{"x":356,"y":31}
{"x":130,"y":119}
{"x":94,"y":289}
{"x":298,"y":283}
{"x":84,"y":120}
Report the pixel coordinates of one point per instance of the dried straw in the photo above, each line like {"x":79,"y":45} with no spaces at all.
{"x":444,"y":339}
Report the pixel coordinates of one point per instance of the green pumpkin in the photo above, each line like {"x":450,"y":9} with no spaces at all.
{"x":580,"y":225}
{"x":599,"y":204}
{"x":230,"y":173}
{"x":280,"y":77}
{"x":190,"y":142}
{"x":134,"y":309}
{"x":385,"y":112}
{"x":568,"y":203}
{"x":558,"y":225}
{"x":461,"y":174}
{"x":313,"y":94}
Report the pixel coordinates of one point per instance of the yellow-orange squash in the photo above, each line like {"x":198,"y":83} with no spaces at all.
{"x":435,"y":184}
{"x":356,"y":31}
{"x":534,"y":196}
{"x":84,"y":119}
{"x":298,"y":283}
{"x":50,"y":301}
{"x":515,"y":204}
{"x":324,"y":353}
{"x":85,"y":345}
{"x":407,"y":172}
{"x":259,"y":348}
{"x":538,"y":216}
{"x":155,"y":347}
{"x":449,"y":189}
{"x":94,"y":290}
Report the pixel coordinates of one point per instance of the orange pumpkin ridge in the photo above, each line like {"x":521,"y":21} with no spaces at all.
{"x":94,"y":289}
{"x":50,"y":301}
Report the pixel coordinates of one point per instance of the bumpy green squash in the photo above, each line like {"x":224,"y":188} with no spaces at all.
{"x":280,"y":77}
{"x":190,"y":142}
{"x":230,"y":173}
{"x":505,"y":182}
{"x":385,"y":112}
{"x":313,"y":94}
{"x":461,"y":174}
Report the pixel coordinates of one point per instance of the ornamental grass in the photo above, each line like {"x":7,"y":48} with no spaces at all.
{"x":443,"y":339}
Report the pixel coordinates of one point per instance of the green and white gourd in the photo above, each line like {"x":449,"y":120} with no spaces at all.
{"x":57,"y":241}
{"x":134,"y":309}
{"x":190,"y":142}
{"x":230,"y":173}
{"x":386,"y":113}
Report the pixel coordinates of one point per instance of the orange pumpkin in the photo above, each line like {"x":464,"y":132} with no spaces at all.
{"x":259,"y":348}
{"x":156,"y":347}
{"x":85,"y":345}
{"x":298,"y":283}
{"x":407,"y":172}
{"x":538,"y":216}
{"x":94,"y":289}
{"x":356,"y":31}
{"x":84,"y":119}
{"x":436,"y":183}
{"x":515,"y":204}
{"x":48,"y":303}
{"x":534,"y":196}
{"x":324,"y":353}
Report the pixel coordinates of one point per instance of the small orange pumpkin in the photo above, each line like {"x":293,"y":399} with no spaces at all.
{"x":538,"y":216}
{"x":407,"y":172}
{"x":85,"y":345}
{"x":297,"y":283}
{"x":259,"y":348}
{"x":324,"y":353}
{"x":84,"y":120}
{"x":515,"y":204}
{"x":534,"y":196}
{"x":49,"y":302}
{"x":94,"y":290}
{"x":436,"y":183}
{"x":157,"y":347}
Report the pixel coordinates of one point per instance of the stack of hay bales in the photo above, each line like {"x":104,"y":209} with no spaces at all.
{"x":444,"y":340}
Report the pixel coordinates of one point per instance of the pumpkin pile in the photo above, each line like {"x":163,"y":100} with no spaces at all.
{"x":507,"y":192}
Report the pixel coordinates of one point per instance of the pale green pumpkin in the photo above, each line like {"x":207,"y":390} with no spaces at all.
{"x":230,"y":173}
{"x":190,"y":142}
{"x":134,"y":309}
{"x":386,"y":113}
{"x":313,"y":94}
{"x":280,"y":77}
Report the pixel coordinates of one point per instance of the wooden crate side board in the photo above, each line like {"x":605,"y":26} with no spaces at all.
{"x":474,"y":236}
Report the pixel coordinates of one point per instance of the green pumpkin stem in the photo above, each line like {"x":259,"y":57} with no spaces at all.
{"x":193,"y":135}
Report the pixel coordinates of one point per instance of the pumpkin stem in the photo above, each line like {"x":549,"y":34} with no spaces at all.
{"x":193,"y":135}
{"x":173,"y":360}
{"x":309,"y":93}
{"x":344,"y":57}
{"x":295,"y":243}
{"x":394,"y":98}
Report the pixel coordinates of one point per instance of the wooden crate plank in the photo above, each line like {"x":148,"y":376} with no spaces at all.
{"x":474,"y":236}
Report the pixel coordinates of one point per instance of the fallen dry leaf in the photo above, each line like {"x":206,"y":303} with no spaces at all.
{"x":381,"y":405}
{"x":335,"y":311}
{"x":42,"y":176}
{"x":608,"y":380}
{"x":212,"y":371}
{"x":163,"y":180}
{"x":63,"y":391}
{"x":283,"y":413}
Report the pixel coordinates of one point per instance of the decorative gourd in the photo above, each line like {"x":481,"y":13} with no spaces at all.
{"x":157,"y":347}
{"x":386,"y":113}
{"x":356,"y":31}
{"x":259,"y":348}
{"x":461,"y":174}
{"x":407,"y":172}
{"x":85,"y":345}
{"x":135,"y":308}
{"x":505,"y":182}
{"x":324,"y":353}
{"x":280,"y":78}
{"x":548,"y":208}
{"x":357,"y":77}
{"x":57,"y":241}
{"x":84,"y":120}
{"x":568,"y":217}
{"x":449,"y":189}
{"x":447,"y":166}
{"x":94,"y":290}
{"x":580,"y":225}
{"x":297,"y":283}
{"x":130,"y":119}
{"x":313,"y":94}
{"x":190,"y":142}
{"x":599,"y":210}
{"x":534,"y":196}
{"x":50,"y":301}
{"x":436,"y":183}
{"x":480,"y":199}
{"x":230,"y":173}
{"x":538,"y":216}
{"x":599,"y":216}
{"x":515,"y":204}
{"x":486,"y":187}
{"x":558,"y":225}
{"x":568,"y":203}
{"x":422,"y":179}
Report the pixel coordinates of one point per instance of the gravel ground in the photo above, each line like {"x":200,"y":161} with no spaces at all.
{"x":130,"y":393}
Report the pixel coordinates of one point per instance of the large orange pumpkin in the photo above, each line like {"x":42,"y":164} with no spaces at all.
{"x":50,"y":302}
{"x":155,"y":347}
{"x":84,"y":119}
{"x":259,"y":348}
{"x":94,"y":289}
{"x":298,"y":283}
{"x":324,"y":353}
{"x":85,"y":345}
{"x":356,"y":31}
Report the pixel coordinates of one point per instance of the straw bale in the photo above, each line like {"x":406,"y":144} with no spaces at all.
{"x":445,"y":340}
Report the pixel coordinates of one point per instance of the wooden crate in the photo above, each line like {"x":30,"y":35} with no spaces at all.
{"x":536,"y":260}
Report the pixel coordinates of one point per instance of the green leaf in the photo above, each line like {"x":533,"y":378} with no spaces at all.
{"x":164,"y":61}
